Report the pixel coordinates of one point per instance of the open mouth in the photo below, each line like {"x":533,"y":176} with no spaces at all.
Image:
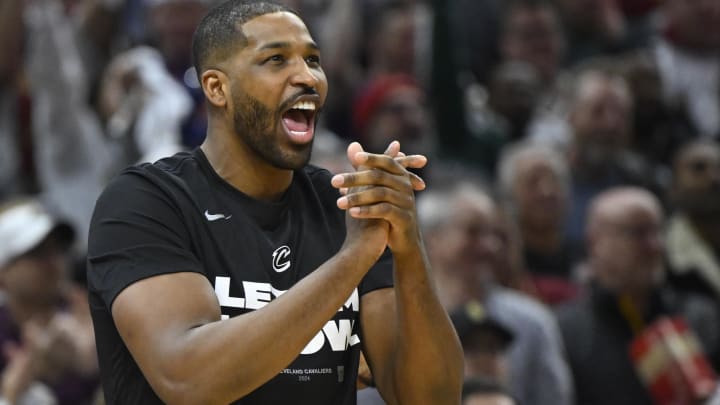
{"x":299,"y":121}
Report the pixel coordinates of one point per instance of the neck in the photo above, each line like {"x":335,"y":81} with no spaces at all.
{"x":235,"y":162}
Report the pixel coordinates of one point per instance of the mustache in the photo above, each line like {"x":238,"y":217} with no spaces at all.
{"x":307,"y":91}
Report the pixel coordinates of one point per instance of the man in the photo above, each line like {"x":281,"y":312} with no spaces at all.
{"x":468,"y":245}
{"x":485,"y":342}
{"x":599,"y":152}
{"x":228,"y":273}
{"x":535,"y":182}
{"x":624,"y":298}
{"x":693,"y":234}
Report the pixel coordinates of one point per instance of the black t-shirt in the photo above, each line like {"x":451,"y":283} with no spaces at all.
{"x":178,"y":215}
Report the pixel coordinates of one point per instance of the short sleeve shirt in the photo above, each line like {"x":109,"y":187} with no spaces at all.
{"x":178,"y":215}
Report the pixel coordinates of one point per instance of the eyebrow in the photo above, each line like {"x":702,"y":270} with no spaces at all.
{"x":282,"y":45}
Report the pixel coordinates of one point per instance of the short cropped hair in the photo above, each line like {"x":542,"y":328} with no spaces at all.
{"x":219,"y":32}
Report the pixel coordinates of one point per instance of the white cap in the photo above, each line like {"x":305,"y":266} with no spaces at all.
{"x":26,"y":223}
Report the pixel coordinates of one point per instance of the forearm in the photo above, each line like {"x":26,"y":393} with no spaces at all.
{"x":250,"y":349}
{"x":428,"y":359}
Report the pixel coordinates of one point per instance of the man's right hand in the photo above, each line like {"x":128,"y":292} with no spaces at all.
{"x":370,"y":236}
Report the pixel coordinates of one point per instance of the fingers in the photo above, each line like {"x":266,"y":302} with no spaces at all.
{"x":412,"y":161}
{"x":392,"y":160}
{"x":374,"y":177}
{"x":376,"y":195}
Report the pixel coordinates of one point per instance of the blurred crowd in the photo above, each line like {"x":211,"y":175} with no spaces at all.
{"x":572,"y":215}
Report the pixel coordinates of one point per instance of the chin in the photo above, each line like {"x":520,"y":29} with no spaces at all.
{"x":296,"y":159}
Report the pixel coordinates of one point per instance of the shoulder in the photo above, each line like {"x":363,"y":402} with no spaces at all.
{"x":519,"y":304}
{"x":165,"y":174}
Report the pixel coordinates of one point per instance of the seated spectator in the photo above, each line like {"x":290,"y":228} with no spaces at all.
{"x":485,"y":342}
{"x":534,"y":181}
{"x":693,"y":234}
{"x":46,"y":334}
{"x":466,"y":245}
{"x":599,"y":156}
{"x":624,"y":299}
{"x":532,"y":34}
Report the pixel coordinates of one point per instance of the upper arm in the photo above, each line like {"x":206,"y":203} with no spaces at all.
{"x":378,"y":327}
{"x":154,"y":315}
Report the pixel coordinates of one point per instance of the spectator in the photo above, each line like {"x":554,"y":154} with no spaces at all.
{"x":170,"y":25}
{"x":599,"y":155}
{"x":466,"y":245}
{"x":535,"y":181}
{"x":532,"y":34}
{"x":688,"y":56}
{"x":394,"y":107}
{"x":598,"y":27}
{"x":693,"y":234}
{"x":485,"y":342}
{"x":659,"y":127}
{"x":45,"y":328}
{"x":623,"y":298}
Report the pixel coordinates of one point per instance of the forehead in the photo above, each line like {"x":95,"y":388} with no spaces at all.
{"x":281,"y":27}
{"x":594,"y":88}
{"x":473,"y":207}
{"x":631,"y":209}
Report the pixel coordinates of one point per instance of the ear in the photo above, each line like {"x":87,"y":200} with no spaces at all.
{"x":215,"y":86}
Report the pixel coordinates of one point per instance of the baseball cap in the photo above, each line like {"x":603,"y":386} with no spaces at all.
{"x":472,"y":321}
{"x":24,"y":223}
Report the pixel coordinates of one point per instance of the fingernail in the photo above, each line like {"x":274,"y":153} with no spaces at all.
{"x":342,"y":202}
{"x":337,"y":180}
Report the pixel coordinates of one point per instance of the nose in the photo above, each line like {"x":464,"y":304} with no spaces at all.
{"x":304,"y":76}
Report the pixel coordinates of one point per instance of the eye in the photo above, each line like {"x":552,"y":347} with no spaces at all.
{"x":275,"y":59}
{"x":313,"y":60}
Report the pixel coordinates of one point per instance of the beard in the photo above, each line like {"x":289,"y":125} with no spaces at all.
{"x":256,"y":125}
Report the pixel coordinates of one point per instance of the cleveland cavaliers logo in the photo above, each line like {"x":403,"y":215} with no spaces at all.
{"x":281,"y":259}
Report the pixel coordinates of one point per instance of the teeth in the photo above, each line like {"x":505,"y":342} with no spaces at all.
{"x":304,"y":105}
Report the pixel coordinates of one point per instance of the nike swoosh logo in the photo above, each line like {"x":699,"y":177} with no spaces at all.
{"x":215,"y":217}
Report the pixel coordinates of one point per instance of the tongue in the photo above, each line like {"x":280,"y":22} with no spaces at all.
{"x":296,"y":121}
